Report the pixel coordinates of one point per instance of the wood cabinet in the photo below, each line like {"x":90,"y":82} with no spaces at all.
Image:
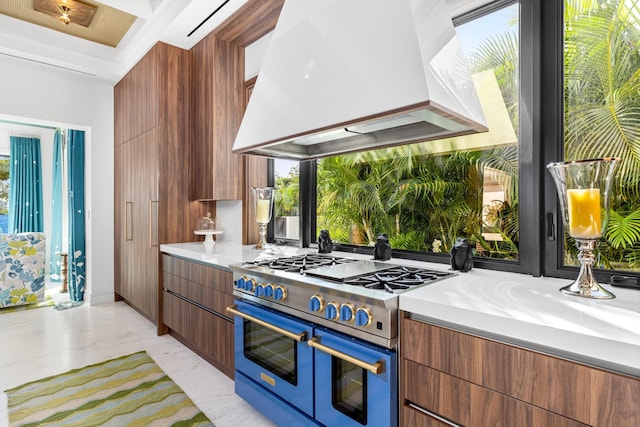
{"x":217,"y":108}
{"x":220,"y":96}
{"x":195,"y":298}
{"x":151,"y":186}
{"x":475,"y":381}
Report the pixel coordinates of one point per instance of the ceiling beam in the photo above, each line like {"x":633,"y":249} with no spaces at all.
{"x":141,"y":8}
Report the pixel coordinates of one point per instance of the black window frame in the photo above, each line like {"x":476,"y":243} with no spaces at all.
{"x":541,"y":141}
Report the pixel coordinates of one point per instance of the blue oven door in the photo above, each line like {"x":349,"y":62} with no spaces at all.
{"x":270,"y":349}
{"x":355,"y":382}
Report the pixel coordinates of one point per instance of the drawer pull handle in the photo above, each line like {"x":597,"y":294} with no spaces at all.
{"x":302,"y":336}
{"x":432,"y":414}
{"x":374,"y":368}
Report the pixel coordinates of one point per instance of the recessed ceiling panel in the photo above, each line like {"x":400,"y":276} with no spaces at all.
{"x":107,"y":25}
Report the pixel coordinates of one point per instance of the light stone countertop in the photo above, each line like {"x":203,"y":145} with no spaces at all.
{"x":532,"y":313}
{"x":221,"y":255}
{"x":514,"y":308}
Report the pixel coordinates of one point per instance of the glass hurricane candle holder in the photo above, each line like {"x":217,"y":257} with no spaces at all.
{"x":584,"y":189}
{"x":263,"y":204}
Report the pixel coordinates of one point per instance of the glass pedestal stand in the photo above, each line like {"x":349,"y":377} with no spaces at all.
{"x":586,"y":284}
{"x":584,"y":193}
{"x":263,"y":205}
{"x":262,"y":231}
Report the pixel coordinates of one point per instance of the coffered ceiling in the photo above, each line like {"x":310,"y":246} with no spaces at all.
{"x":120,"y":32}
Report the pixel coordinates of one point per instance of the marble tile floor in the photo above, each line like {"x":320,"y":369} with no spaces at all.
{"x":43,"y":342}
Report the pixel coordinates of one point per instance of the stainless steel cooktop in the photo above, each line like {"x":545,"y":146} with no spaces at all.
{"x":357,"y":297}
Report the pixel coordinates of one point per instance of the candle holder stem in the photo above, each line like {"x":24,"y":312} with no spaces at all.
{"x":586,"y":284}
{"x":262,"y":241}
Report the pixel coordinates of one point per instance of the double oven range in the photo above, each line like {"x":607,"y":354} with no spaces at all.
{"x":316,"y":338}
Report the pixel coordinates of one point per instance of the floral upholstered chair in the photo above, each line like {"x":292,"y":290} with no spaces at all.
{"x":22,"y":263}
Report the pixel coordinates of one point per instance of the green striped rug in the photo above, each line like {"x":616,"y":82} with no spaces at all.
{"x":128,"y":391}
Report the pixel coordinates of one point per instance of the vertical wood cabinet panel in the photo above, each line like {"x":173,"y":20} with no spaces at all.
{"x":475,"y":381}
{"x":218,"y":104}
{"x":136,"y":99}
{"x":614,"y":398}
{"x":151,"y":196}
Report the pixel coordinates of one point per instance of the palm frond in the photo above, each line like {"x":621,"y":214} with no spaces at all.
{"x":623,"y":231}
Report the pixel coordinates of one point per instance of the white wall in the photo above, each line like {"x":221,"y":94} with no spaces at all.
{"x":41,"y":94}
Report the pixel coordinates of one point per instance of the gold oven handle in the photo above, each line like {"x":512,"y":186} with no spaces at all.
{"x":302,"y":336}
{"x":374,"y":368}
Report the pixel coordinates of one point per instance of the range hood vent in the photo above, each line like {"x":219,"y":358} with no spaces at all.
{"x":342,"y":76}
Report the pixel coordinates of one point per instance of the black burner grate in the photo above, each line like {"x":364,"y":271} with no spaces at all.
{"x":397,"y":278}
{"x":301,"y":263}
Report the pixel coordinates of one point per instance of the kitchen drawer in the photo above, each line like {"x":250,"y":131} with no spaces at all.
{"x":211,"y":277}
{"x":198,"y":293}
{"x":573,"y":390}
{"x":468,"y":404}
{"x":209,"y":335}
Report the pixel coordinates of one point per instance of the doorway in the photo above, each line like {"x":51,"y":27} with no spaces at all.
{"x":53,"y":224}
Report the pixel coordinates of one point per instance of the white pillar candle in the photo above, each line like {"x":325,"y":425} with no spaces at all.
{"x":262,"y":211}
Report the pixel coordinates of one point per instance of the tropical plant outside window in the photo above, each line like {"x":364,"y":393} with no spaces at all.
{"x":602,"y":113}
{"x":426,"y":195}
{"x":287,"y":199}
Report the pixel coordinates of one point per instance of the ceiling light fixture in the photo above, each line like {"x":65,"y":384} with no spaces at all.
{"x":67,"y":11}
{"x":65,"y":14}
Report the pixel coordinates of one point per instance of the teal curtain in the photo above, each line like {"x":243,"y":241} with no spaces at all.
{"x":56,"y":209}
{"x":75,"y":179}
{"x":25,"y":186}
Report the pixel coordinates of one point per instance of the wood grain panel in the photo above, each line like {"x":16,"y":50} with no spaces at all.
{"x":252,"y":21}
{"x":207,"y":334}
{"x":136,"y":100}
{"x":573,"y":390}
{"x":173,"y":98}
{"x":554,"y":384}
{"x":207,"y":276}
{"x":199,"y":293}
{"x":615,"y":399}
{"x":217,"y":106}
{"x":118,"y":217}
{"x":120,"y":93}
{"x":436,"y":392}
{"x":457,"y":354}
{"x":469,"y":404}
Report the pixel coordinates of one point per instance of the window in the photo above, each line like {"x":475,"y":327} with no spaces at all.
{"x":287,"y":199}
{"x":565,"y":73}
{"x":424,"y":196}
{"x":602,"y":115}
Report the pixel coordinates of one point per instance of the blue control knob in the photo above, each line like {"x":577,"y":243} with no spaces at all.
{"x":249,"y":285}
{"x":280,"y":293}
{"x":259,"y":290}
{"x":268,"y":291}
{"x":331,"y":312}
{"x":347,"y":312}
{"x":363,"y":317}
{"x":240,"y":282}
{"x":315,"y":303}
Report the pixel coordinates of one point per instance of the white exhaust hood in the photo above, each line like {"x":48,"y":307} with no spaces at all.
{"x":341,"y":76}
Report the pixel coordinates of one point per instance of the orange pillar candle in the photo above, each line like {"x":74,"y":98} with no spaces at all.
{"x":584,"y":213}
